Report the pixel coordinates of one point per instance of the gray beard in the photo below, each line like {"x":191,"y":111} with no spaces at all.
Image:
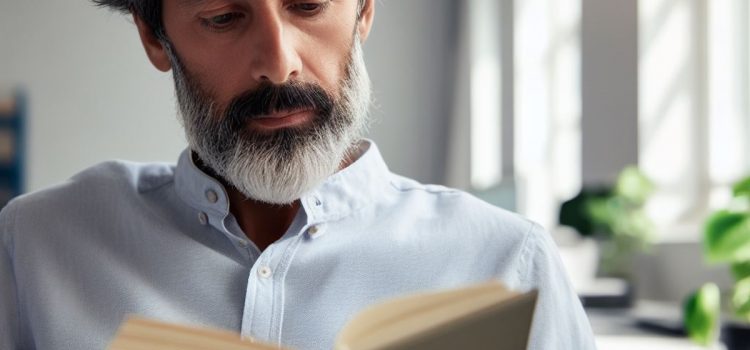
{"x":278,"y":167}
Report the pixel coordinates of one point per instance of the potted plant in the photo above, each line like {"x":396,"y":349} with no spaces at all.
{"x":615,"y":217}
{"x":726,"y":240}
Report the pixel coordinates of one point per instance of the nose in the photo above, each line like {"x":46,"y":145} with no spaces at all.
{"x":275,"y":58}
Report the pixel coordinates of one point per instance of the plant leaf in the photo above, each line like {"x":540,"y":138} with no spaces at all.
{"x":600,"y":211}
{"x":702,"y":314}
{"x":633,"y":185}
{"x":741,"y":298}
{"x":742,"y":188}
{"x":741,"y":270}
{"x":727,"y":237}
{"x":575,"y":213}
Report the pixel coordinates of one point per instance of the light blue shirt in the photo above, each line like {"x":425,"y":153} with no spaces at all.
{"x":158,"y":240}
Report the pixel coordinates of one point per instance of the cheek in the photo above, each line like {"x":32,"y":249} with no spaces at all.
{"x":326,"y":69}
{"x":222,"y":66}
{"x":325,"y":58}
{"x":219,"y":78}
{"x":213,"y":73}
{"x":219,"y":75}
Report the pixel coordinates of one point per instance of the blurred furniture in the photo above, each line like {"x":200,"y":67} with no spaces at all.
{"x":12,"y":122}
{"x":649,"y":325}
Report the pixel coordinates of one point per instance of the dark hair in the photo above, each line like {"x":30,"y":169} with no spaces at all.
{"x":150,"y":11}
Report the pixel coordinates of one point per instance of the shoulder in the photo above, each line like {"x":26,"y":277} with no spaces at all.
{"x":107,"y":177}
{"x":462,"y":217}
{"x":458,"y":204}
{"x":139,"y":177}
{"x":486,"y":239}
{"x":104,"y":182}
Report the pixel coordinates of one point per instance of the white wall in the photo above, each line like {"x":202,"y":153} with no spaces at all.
{"x":410,"y":56}
{"x":609,"y":88}
{"x":94,"y":96}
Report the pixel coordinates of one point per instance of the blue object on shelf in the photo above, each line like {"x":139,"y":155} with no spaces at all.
{"x":12,"y":146}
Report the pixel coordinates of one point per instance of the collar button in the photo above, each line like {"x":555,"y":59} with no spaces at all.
{"x":315,"y":231}
{"x":212,"y":196}
{"x":203,"y":218}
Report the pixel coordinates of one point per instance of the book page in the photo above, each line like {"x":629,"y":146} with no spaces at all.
{"x":400,"y":319}
{"x":142,"y":334}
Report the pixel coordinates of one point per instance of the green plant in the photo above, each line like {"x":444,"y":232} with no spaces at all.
{"x":615,"y":216}
{"x":726,"y":240}
{"x":702,"y":310}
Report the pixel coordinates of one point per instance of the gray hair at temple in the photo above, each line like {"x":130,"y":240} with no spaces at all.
{"x":150,"y":12}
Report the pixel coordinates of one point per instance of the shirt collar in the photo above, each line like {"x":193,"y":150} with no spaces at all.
{"x":362,"y":182}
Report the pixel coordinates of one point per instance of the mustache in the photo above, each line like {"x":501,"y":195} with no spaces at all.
{"x":269,"y":98}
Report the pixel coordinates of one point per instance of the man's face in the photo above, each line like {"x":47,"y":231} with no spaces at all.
{"x":234,"y":46}
{"x":272,"y":93}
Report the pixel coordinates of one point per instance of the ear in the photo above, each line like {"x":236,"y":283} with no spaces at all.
{"x":154,"y":49}
{"x":365,"y":19}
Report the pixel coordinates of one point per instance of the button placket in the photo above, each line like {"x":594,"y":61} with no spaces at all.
{"x":264,"y":272}
{"x":260,"y":308}
{"x":262,"y":316}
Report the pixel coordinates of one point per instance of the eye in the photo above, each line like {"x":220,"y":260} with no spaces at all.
{"x":222,"y":21}
{"x":309,"y":9}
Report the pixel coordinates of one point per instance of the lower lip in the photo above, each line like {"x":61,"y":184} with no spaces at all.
{"x":290,"y":120}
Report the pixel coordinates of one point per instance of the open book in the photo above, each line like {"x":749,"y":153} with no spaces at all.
{"x":485,"y":316}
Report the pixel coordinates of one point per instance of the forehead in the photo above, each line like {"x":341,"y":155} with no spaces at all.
{"x":194,"y":5}
{"x":189,"y":7}
{"x":190,"y":3}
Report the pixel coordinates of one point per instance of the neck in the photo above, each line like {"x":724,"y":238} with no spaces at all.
{"x":262,"y":223}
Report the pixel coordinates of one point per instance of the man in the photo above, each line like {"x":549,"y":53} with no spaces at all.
{"x":279,"y":221}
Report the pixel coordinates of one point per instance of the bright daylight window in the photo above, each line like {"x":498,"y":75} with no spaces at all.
{"x":540,"y":52}
{"x":547,"y":106}
{"x":694,"y":115}
{"x":694,"y":104}
{"x":485,"y":102}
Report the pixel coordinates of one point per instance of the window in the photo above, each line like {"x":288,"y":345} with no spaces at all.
{"x":693,"y":90}
{"x":547,"y":109}
{"x":693,"y":113}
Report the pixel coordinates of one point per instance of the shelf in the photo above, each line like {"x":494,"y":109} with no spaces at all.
{"x":12,"y":139}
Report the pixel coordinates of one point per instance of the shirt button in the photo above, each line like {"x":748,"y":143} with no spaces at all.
{"x":264,"y":272}
{"x":203,"y":218}
{"x":212,"y":196}
{"x":315,"y":231}
{"x":244,"y":244}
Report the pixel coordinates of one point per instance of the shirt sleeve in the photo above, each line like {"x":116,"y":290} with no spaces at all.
{"x":9,"y":325}
{"x":559,"y":319}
